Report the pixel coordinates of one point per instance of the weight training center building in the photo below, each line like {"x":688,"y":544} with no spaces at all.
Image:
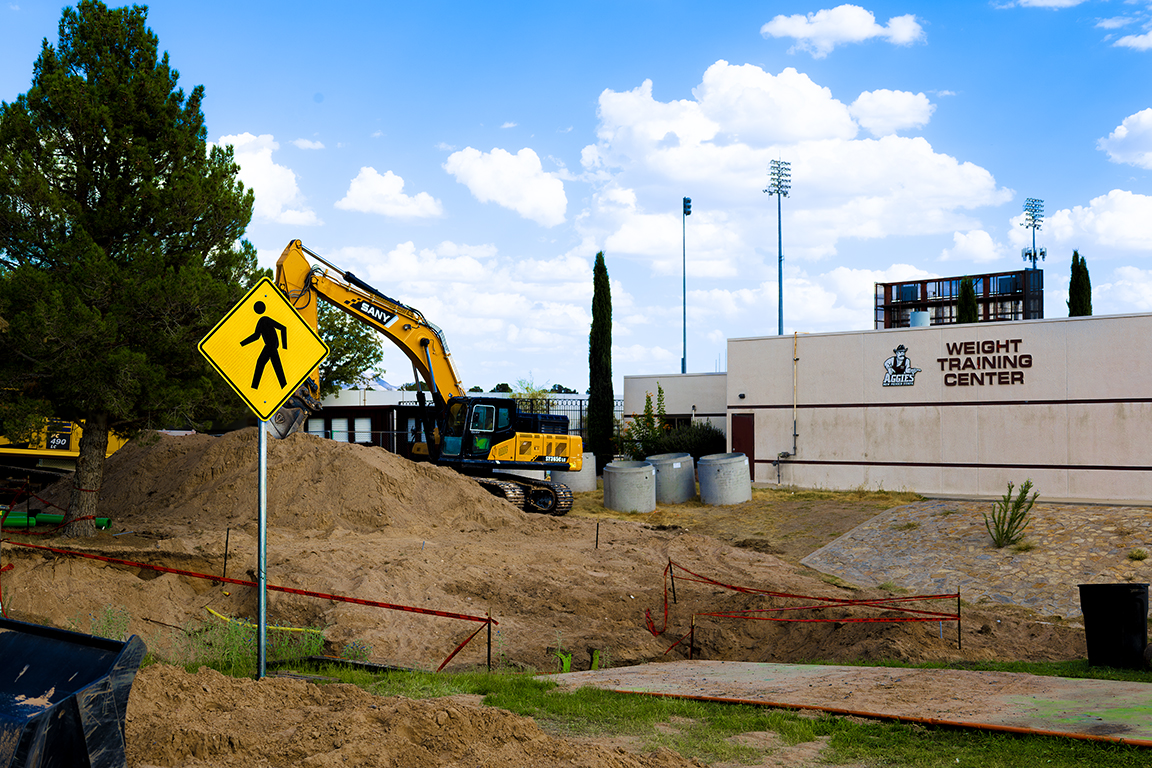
{"x":943,"y":409}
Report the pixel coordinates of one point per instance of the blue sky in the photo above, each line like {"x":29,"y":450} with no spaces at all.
{"x":470,"y":159}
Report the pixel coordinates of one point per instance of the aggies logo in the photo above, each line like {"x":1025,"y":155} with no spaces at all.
{"x":898,"y":370}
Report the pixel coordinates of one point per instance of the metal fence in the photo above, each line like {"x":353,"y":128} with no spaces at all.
{"x":575,"y":408}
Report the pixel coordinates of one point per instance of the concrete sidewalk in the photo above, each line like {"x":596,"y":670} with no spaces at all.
{"x":1005,"y":701}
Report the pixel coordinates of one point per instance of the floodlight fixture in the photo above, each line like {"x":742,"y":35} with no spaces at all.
{"x":1034,"y":220}
{"x":779,"y":182}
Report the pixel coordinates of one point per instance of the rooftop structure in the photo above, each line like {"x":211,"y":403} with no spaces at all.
{"x":1000,"y":296}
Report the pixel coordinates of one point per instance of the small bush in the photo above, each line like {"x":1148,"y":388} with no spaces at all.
{"x":229,"y":646}
{"x":700,"y":438}
{"x":1138,"y":554}
{"x":110,"y":622}
{"x":1010,"y":516}
{"x":357,"y":650}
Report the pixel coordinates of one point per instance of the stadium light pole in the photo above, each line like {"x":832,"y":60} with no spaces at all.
{"x":684,"y":274}
{"x":779,"y":182}
{"x":1033,"y":219}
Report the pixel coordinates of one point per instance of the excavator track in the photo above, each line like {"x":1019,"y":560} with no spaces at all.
{"x":510,"y":492}
{"x":531,"y":495}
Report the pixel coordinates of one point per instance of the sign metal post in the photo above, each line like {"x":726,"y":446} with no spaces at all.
{"x":265,"y":350}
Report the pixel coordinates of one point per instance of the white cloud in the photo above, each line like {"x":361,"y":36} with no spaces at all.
{"x":481,"y":299}
{"x":1130,"y":289}
{"x":1131,"y":142}
{"x":1048,"y":3}
{"x":718,"y":147}
{"x":820,"y":32}
{"x":883,"y":111}
{"x":835,"y":300}
{"x":306,"y":144}
{"x":509,"y":125}
{"x":975,"y":245}
{"x":1118,"y":220}
{"x":746,"y":102}
{"x":1137,"y":42}
{"x":277,"y":197}
{"x":370,"y":192}
{"x":517,"y":182}
{"x":638,"y":353}
{"x":1115,"y":22}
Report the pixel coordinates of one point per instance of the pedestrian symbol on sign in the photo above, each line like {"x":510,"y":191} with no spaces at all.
{"x":266,"y":329}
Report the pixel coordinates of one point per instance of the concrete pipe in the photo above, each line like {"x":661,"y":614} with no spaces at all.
{"x":724,"y":479}
{"x":584,"y":480}
{"x":675,"y":477}
{"x":630,"y":486}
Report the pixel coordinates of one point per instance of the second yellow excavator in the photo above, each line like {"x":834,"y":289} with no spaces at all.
{"x":474,"y":435}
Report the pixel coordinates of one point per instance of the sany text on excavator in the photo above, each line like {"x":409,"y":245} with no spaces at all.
{"x":473,"y":435}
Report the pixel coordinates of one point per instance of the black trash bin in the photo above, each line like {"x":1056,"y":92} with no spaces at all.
{"x":1115,"y":624}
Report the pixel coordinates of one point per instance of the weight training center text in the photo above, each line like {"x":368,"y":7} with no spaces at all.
{"x":984,"y":363}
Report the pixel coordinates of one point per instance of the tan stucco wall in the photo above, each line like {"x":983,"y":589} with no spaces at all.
{"x":682,"y":391}
{"x":1075,"y":415}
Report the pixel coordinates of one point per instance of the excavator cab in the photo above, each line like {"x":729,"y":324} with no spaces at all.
{"x":472,"y":426}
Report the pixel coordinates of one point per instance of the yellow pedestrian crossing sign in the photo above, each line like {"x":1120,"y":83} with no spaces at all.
{"x":264,"y":349}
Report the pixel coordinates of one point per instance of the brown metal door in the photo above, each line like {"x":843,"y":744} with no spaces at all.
{"x":744,"y":438}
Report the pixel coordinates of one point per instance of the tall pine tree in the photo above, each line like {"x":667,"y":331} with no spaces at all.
{"x":966,"y":309}
{"x":118,"y":243}
{"x":601,"y":399}
{"x":1079,"y":288}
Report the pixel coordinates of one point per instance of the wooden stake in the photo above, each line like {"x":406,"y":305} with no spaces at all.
{"x":692,"y":637}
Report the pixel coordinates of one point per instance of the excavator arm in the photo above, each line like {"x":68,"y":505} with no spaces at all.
{"x":304,"y":284}
{"x":476,"y":436}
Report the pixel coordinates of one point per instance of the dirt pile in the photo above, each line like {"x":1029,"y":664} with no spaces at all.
{"x":360,"y":522}
{"x":201,"y":482}
{"x":207,"y":720}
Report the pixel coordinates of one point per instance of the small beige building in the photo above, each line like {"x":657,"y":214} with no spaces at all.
{"x":950,"y":409}
{"x":687,"y":396}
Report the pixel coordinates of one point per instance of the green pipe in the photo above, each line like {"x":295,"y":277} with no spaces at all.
{"x":47,"y":519}
{"x":19,"y":521}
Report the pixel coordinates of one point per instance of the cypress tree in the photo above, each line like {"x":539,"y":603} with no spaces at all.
{"x":966,"y":309}
{"x":1079,"y":288}
{"x":601,"y":400}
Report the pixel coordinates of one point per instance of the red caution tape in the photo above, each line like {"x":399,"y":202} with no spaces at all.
{"x":242,"y":582}
{"x":817,"y":604}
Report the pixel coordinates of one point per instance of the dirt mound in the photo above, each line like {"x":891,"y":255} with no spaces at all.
{"x":206,"y":720}
{"x":357,"y":521}
{"x":210,"y":482}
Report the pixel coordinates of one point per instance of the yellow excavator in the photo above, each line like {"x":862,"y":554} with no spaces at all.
{"x":473,"y":435}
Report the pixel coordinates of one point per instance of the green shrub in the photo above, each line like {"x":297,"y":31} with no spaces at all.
{"x":1010,"y":516}
{"x":357,"y":650}
{"x":700,"y":438}
{"x":639,"y":437}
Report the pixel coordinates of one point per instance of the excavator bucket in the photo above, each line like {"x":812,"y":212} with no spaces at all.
{"x":63,"y":697}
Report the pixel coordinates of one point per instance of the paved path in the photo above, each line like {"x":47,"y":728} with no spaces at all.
{"x":1091,"y":709}
{"x":939,"y":546}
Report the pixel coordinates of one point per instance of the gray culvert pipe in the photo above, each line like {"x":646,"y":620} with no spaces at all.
{"x":724,"y":479}
{"x":630,"y":486}
{"x":675,"y":477}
